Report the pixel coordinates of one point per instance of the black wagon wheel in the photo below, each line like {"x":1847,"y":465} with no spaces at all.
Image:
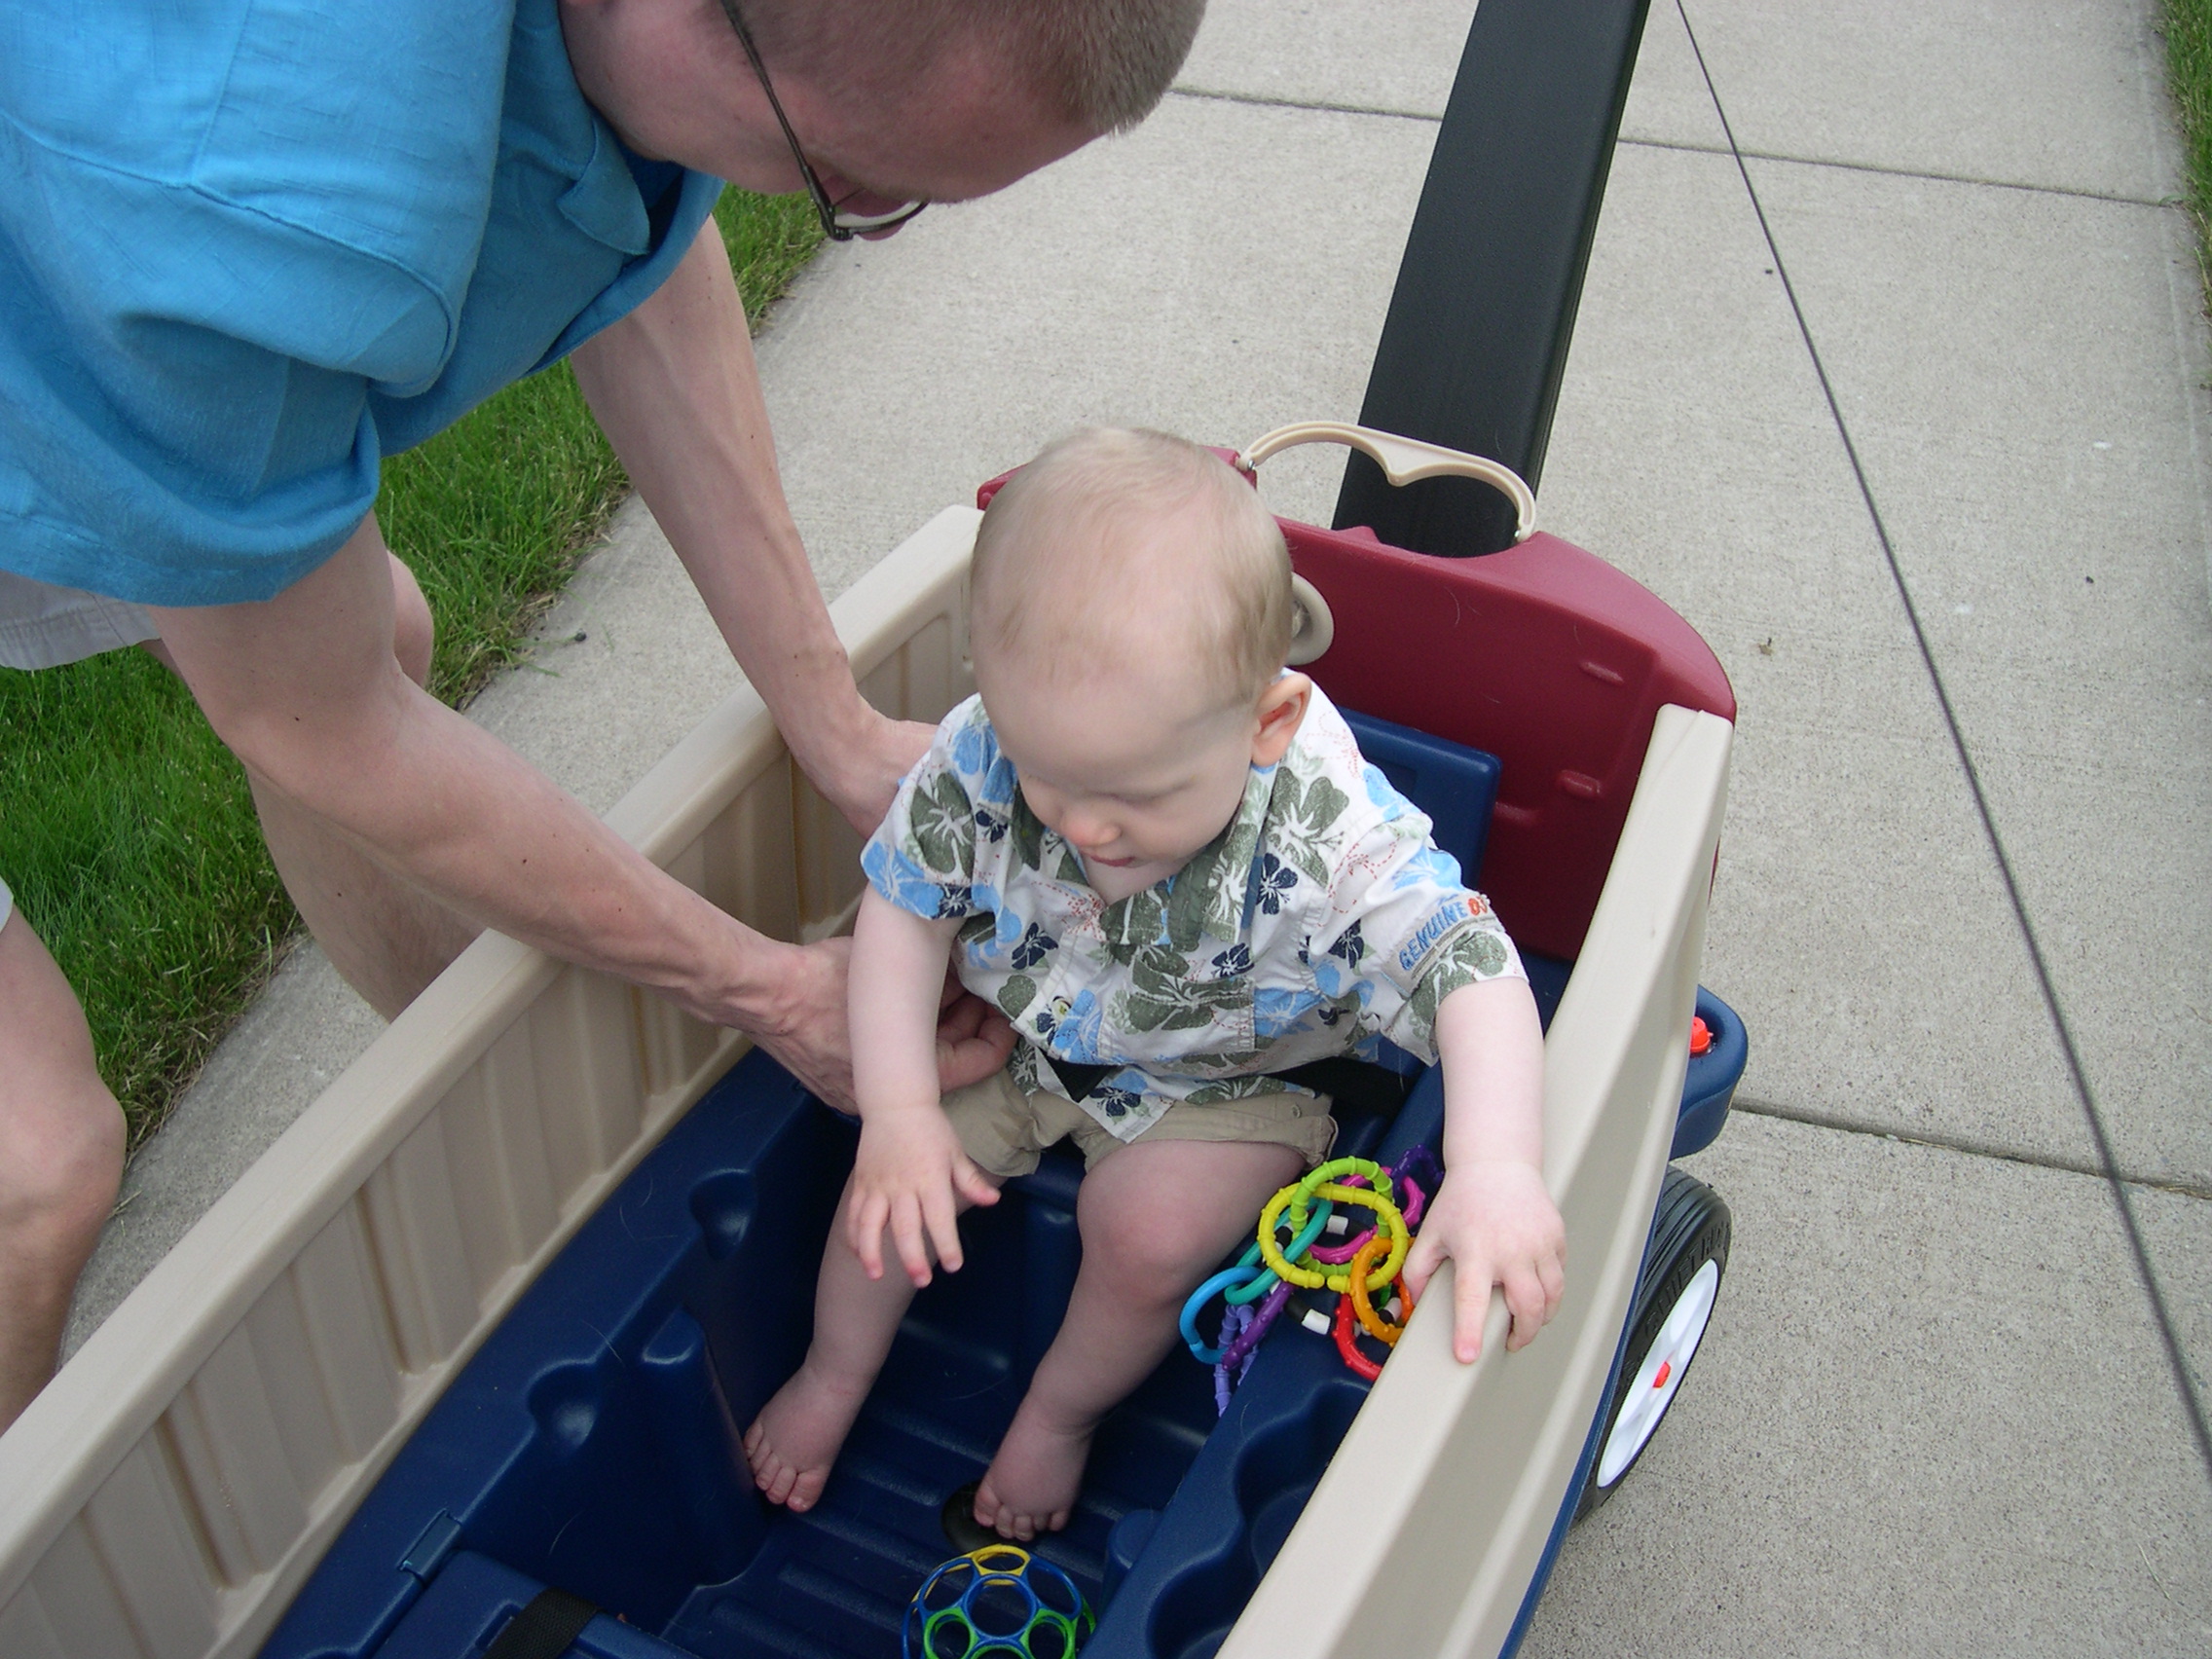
{"x":1674,"y":1302}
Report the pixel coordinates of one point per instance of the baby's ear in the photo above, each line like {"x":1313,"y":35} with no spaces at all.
{"x":1281,"y":709}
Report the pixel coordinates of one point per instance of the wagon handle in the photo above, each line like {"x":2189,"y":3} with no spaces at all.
{"x":1403,"y":461}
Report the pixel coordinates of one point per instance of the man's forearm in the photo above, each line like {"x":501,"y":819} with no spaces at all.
{"x":674,"y":387}
{"x":455,"y":811}
{"x":305,"y":689}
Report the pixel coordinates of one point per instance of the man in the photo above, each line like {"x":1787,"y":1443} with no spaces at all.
{"x":246,"y":249}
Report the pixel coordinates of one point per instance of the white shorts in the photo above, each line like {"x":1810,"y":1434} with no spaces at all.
{"x":42,"y":626}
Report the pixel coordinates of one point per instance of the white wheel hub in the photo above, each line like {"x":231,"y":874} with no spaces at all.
{"x":1652,"y":1389}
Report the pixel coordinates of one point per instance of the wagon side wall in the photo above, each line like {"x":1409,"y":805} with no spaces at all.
{"x":176,"y":1483}
{"x":1425,"y":1533}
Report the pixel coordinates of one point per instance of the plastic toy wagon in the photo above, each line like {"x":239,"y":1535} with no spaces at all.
{"x":459,"y":1366}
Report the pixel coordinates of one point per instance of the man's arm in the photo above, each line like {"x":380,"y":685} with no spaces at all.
{"x":675,"y":389}
{"x":306,"y":691}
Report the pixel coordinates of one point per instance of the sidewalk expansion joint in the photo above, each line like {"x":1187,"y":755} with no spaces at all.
{"x":2169,"y":203}
{"x":2184,"y":1380}
{"x":1323,"y":106}
{"x":1208,"y":95}
{"x":1969,"y":1145}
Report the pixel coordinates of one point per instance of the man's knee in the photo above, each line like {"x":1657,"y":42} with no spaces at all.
{"x":414,"y":633}
{"x":62,"y":1144}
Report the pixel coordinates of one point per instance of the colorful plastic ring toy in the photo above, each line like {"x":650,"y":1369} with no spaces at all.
{"x":1416,"y":1201}
{"x":1226,"y":1279}
{"x":1359,"y":1363}
{"x":1241,"y":1349}
{"x":1388,"y":1218}
{"x":1305,"y":1189}
{"x":1363,"y":1306}
{"x":1312,"y":1278}
{"x":1266,"y":1278}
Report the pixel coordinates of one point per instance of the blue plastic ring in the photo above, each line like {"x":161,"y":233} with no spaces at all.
{"x":1206,"y":1292}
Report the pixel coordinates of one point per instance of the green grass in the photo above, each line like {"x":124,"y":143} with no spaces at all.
{"x":127,"y":830}
{"x":2189,"y":65}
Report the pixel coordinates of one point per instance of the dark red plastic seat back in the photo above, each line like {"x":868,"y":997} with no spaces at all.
{"x":1545,"y":655}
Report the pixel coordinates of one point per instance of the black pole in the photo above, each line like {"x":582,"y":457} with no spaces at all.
{"x":1480,"y":322}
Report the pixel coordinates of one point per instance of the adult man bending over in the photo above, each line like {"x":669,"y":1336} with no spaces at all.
{"x":247,"y":249}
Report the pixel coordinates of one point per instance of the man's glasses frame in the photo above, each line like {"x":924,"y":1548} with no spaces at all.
{"x":836,"y":224}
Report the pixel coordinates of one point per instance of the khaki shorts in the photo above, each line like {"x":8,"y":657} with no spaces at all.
{"x":1006,"y":1130}
{"x":44,"y":626}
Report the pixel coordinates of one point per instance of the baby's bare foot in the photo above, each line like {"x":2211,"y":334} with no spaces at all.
{"x":794,"y":1440}
{"x":1031,"y":1484}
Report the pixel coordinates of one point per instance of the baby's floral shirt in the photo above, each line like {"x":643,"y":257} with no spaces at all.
{"x":1320,"y":920}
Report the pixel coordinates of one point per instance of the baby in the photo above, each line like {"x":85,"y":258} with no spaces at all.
{"x":1163,"y":858}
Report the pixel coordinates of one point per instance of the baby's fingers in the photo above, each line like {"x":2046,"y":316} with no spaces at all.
{"x":1530,"y":1302}
{"x":975,"y":1186}
{"x":1471,"y":1281}
{"x":1421,"y":1263}
{"x":906,"y":1234}
{"x":943,"y":1224}
{"x":864,"y":1231}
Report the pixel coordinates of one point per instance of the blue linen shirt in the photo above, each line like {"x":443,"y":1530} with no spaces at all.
{"x":249,"y":248}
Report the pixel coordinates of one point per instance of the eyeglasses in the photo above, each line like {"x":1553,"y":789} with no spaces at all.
{"x":838,"y":222}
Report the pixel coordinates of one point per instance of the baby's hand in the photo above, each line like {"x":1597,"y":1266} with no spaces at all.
{"x":905,"y":1177}
{"x":1499,"y":1226}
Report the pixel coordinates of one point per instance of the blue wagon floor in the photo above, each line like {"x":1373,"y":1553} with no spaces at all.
{"x":591,"y":1445}
{"x":1937,"y":1409}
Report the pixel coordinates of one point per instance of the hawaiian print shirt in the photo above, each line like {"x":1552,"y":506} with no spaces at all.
{"x":1320,"y":920}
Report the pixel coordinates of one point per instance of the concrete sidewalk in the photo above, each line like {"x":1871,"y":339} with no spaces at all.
{"x":1935,"y":1410}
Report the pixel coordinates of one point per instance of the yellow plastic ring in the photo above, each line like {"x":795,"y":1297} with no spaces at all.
{"x":1302,"y":1192}
{"x":1271,"y":1253}
{"x":1388,"y":1219}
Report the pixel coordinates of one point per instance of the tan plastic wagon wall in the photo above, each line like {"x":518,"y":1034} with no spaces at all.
{"x":1421,"y":1537}
{"x":171,"y":1491}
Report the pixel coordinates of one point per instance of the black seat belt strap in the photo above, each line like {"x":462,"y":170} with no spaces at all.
{"x":546,"y":1628}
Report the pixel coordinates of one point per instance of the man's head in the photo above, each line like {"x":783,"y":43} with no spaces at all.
{"x":1129,"y":612}
{"x":1099,"y":64}
{"x":936,"y":99}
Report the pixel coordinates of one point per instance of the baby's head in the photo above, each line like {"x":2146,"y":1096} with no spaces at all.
{"x":1128,"y":617}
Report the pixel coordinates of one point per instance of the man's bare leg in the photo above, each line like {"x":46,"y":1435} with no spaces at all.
{"x":386,"y":937}
{"x":794,"y":1441}
{"x":1155,"y":1219}
{"x":60,"y":1160}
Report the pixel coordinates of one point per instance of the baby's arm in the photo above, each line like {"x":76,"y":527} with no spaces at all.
{"x":910,"y":1164}
{"x":1494,"y":1215}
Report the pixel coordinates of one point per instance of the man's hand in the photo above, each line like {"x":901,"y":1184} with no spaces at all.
{"x":812,"y":1039}
{"x":1500,"y":1227}
{"x":861,"y":775}
{"x":973,"y":1040}
{"x":908,"y":1176}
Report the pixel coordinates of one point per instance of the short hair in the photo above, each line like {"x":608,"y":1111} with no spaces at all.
{"x":1103,"y":64}
{"x":1046,"y":580}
